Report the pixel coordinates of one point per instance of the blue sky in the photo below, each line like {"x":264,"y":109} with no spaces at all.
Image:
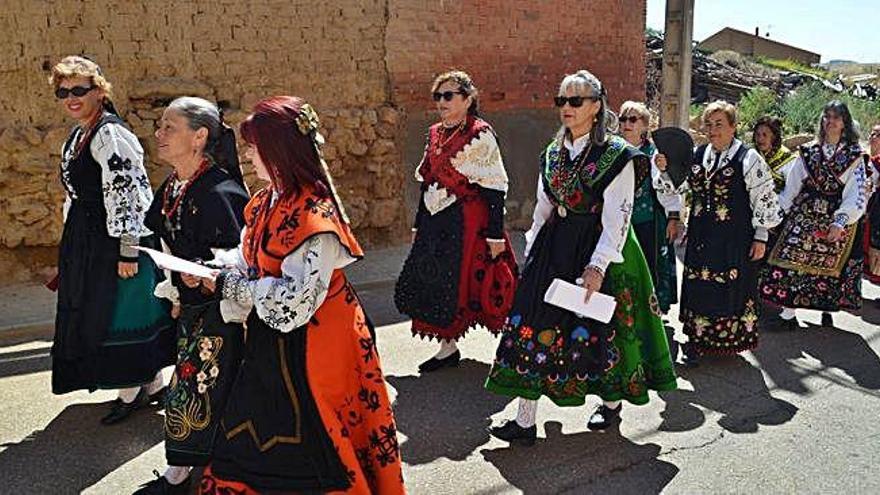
{"x":850,"y":30}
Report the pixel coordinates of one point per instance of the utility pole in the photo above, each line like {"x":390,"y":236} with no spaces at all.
{"x":675,"y":96}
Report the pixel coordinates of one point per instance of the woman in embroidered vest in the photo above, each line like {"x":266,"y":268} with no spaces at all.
{"x":655,"y":223}
{"x":581,"y":234}
{"x":309,"y":411}
{"x":110,"y":332}
{"x":767,"y":139}
{"x":199,"y":208}
{"x":732,"y":206}
{"x":872,"y":215}
{"x":461,"y":270}
{"x":817,"y":262}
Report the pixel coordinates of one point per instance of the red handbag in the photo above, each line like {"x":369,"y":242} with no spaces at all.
{"x":499,"y":286}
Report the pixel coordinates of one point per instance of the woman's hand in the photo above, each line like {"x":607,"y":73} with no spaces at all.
{"x":190,"y":281}
{"x":757,"y":251}
{"x":175,"y":311}
{"x":835,"y":233}
{"x":673,"y":227}
{"x":496,"y":247}
{"x":127,"y":269}
{"x":660,"y":161}
{"x":210,"y":283}
{"x":591,"y":280}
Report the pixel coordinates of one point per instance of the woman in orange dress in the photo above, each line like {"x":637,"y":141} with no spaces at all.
{"x":309,"y":411}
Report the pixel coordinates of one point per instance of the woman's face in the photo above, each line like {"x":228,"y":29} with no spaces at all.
{"x":455,"y":109}
{"x":764,"y":139}
{"x":252,"y":154}
{"x":720,"y":130}
{"x":833,"y":123}
{"x":874,"y":140}
{"x":84,"y":107}
{"x":176,"y":142}
{"x":578,"y":120}
{"x":633,"y":127}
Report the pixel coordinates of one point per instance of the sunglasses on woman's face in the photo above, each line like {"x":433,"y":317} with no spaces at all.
{"x":574,"y":101}
{"x":78,"y":91}
{"x":446,"y":95}
{"x":632,"y":119}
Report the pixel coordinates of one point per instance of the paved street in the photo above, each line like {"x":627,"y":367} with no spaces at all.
{"x":797,"y":416}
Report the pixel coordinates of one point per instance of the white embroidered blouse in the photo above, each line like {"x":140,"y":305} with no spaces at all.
{"x":616,"y":211}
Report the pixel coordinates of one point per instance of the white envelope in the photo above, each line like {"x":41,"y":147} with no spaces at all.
{"x":571,"y":297}
{"x":175,"y":264}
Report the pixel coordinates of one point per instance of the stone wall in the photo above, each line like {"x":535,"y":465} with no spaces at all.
{"x":364,"y":64}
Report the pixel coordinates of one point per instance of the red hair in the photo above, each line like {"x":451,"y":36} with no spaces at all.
{"x":290,"y":157}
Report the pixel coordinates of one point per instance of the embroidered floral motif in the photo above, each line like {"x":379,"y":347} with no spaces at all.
{"x":188,"y":406}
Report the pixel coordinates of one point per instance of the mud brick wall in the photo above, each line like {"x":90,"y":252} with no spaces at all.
{"x":364,"y":64}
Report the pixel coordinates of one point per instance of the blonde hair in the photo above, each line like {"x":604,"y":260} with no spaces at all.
{"x":76,"y":66}
{"x":638,"y":108}
{"x":722,"y":106}
{"x":465,"y":83}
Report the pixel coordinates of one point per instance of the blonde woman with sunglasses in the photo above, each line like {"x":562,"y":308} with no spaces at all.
{"x":110,"y":332}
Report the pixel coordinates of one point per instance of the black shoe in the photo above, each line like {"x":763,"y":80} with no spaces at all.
{"x":789,"y":325}
{"x":435,"y":364}
{"x":161,"y":486}
{"x":158,"y":397}
{"x":603,"y":417}
{"x":122,"y":410}
{"x":691,"y":355}
{"x":515,"y":434}
{"x":827,"y":320}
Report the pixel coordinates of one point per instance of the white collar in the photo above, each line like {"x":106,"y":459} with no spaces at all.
{"x":575,"y":148}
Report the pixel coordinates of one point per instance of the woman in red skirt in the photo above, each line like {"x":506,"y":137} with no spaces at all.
{"x":461,"y":270}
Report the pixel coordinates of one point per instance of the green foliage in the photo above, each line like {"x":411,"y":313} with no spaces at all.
{"x":801,"y":108}
{"x":758,"y":102}
{"x":791,"y":65}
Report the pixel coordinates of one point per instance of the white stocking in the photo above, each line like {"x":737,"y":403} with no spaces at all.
{"x":528,"y":410}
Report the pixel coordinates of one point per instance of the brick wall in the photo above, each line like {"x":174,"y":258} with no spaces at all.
{"x":364,"y":64}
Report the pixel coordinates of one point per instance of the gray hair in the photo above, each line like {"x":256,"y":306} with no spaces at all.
{"x":199,"y":113}
{"x":584,"y":83}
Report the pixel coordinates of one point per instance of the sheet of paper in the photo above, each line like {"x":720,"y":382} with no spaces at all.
{"x":175,"y":264}
{"x":571,"y":297}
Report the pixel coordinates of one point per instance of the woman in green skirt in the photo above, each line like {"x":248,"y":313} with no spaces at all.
{"x":581,"y":233}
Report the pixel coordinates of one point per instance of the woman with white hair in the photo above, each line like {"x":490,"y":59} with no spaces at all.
{"x":655,"y":218}
{"x":581,"y":233}
{"x":198,"y":210}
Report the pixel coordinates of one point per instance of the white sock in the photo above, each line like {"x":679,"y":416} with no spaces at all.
{"x":155,"y":385}
{"x":128,"y":395}
{"x":447,"y":348}
{"x":611,"y":404}
{"x":525,"y":415}
{"x":177,"y":474}
{"x":787,"y":313}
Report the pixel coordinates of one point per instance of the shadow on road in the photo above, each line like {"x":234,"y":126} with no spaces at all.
{"x":75,"y":451}
{"x":445,"y":413}
{"x":832,"y":347}
{"x":731,"y":386}
{"x":587,"y":462}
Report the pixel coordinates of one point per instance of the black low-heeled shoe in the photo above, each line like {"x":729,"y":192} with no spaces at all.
{"x":435,"y":364}
{"x":789,"y":325}
{"x":827,"y":319}
{"x":122,"y":410}
{"x":690,"y":355}
{"x":158,"y":397}
{"x":161,"y":486}
{"x":513,"y":433}
{"x":603,"y":417}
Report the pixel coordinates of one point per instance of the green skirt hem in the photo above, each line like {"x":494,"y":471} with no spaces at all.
{"x":531,"y":394}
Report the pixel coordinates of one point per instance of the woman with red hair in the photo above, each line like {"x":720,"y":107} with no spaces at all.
{"x":309,"y":411}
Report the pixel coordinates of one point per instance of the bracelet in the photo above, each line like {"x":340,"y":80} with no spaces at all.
{"x":595,"y":269}
{"x":673,"y":215}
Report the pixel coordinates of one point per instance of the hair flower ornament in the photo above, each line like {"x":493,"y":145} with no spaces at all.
{"x":307,"y":120}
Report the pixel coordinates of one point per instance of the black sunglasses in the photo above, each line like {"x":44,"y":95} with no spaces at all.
{"x":632,"y":119}
{"x":78,"y":91}
{"x":446,"y":95}
{"x":574,"y":101}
